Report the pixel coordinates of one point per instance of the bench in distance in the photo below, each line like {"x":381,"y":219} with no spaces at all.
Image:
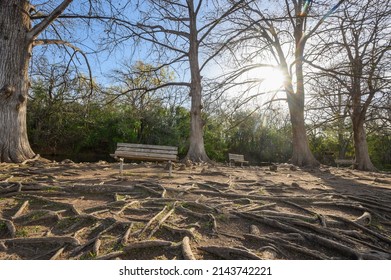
{"x":236,"y":158}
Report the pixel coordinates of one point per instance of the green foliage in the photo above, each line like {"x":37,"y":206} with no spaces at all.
{"x":216,"y":145}
{"x":95,"y":125}
{"x":379,"y":146}
{"x":68,"y":119}
{"x":253,"y":136}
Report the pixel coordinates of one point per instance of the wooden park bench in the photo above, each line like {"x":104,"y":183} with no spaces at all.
{"x":145,"y":152}
{"x":236,"y":158}
{"x":345,"y":162}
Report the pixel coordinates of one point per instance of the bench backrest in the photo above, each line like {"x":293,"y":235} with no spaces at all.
{"x":346,"y":161}
{"x":146,"y":152}
{"x":235,"y":157}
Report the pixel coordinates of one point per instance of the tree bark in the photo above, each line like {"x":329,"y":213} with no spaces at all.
{"x":301,"y":154}
{"x":359,"y":112}
{"x":196,"y":150}
{"x":15,"y":54}
{"x":363,"y":161}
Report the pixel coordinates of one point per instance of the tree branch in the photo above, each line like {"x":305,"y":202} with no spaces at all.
{"x":40,"y":27}
{"x":67,"y":44}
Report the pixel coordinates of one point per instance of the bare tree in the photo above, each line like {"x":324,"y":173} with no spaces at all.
{"x":327,"y":110}
{"x":27,"y":24}
{"x":177,"y":33}
{"x":17,"y":37}
{"x":281,"y":31}
{"x":359,"y":62}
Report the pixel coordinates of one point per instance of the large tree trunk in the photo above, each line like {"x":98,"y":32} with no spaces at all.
{"x":301,"y":154}
{"x":196,"y":150}
{"x":15,"y":54}
{"x":363,"y":161}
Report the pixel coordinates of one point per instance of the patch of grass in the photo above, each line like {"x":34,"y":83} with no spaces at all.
{"x":22,"y":232}
{"x":184,"y":204}
{"x":88,"y":256}
{"x":3,"y":226}
{"x":120,"y":197}
{"x":4,"y":176}
{"x":262,"y":191}
{"x":376,"y":225}
{"x":118,"y":247}
{"x":29,"y":230}
{"x":51,"y":189}
{"x":38,"y":214}
{"x":170,"y":205}
{"x":67,"y":222}
{"x":207,"y":224}
{"x":222,"y":217}
{"x":128,"y":174}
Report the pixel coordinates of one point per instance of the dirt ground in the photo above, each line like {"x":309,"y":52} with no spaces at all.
{"x":51,"y":210}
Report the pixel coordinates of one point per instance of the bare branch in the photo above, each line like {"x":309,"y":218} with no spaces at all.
{"x":40,"y":27}
{"x":76,"y":50}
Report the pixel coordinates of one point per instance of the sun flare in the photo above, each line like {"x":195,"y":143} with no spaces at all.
{"x":272,"y":79}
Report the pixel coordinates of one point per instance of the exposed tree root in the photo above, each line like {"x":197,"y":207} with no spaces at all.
{"x":288,"y":246}
{"x":95,"y":248}
{"x":254,"y":230}
{"x":51,"y":212}
{"x":152,"y":220}
{"x":186,"y":249}
{"x":183,"y":231}
{"x":364,"y":220}
{"x":37,"y":216}
{"x":328,"y":243}
{"x":10,"y":226}
{"x":229,"y":253}
{"x":35,"y":158}
{"x":111,"y":256}
{"x":373,"y":233}
{"x":11,"y":190}
{"x":48,"y":240}
{"x":100,"y":189}
{"x":161,"y":222}
{"x":126,"y":206}
{"x":126,"y":235}
{"x":57,"y":254}
{"x":147,"y":244}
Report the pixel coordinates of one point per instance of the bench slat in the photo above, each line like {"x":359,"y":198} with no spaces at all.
{"x":145,"y":156}
{"x":153,"y":147}
{"x":344,"y":161}
{"x":236,"y":157}
{"x":141,"y":150}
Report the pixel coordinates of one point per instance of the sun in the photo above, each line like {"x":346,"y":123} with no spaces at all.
{"x":271,"y":78}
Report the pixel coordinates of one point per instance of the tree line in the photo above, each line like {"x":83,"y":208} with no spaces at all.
{"x":70,"y":122}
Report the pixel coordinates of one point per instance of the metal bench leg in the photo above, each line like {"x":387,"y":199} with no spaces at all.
{"x":121,"y":166}
{"x":170,"y":167}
